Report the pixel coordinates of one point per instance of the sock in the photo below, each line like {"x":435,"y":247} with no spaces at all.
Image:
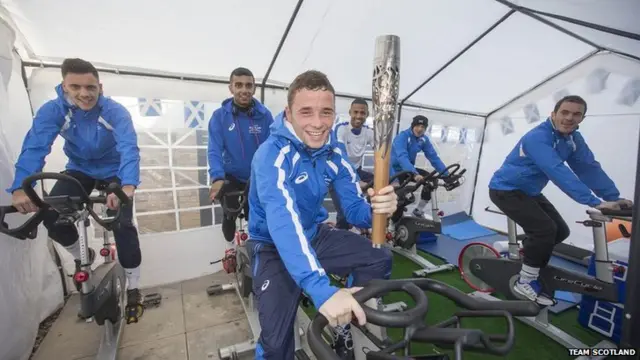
{"x":230,"y":245}
{"x":528,"y":273}
{"x":133,"y":277}
{"x":74,"y":250}
{"x":421,"y":204}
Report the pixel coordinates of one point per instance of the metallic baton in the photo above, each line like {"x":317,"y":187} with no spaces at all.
{"x":386,"y":86}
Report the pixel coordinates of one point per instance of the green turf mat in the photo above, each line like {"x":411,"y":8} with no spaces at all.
{"x":530,"y":344}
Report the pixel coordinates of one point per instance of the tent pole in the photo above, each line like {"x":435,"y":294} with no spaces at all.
{"x":292,"y":19}
{"x":631,"y":318}
{"x":527,"y":12}
{"x":475,"y":177}
{"x":590,"y":25}
{"x":459,"y":54}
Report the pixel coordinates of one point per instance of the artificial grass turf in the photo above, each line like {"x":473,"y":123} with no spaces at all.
{"x":529,"y":343}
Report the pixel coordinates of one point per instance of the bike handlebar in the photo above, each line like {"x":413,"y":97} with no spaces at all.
{"x":418,"y":331}
{"x":375,"y":289}
{"x":450,"y":182}
{"x":623,"y":213}
{"x":223,"y":194}
{"x":29,"y":229}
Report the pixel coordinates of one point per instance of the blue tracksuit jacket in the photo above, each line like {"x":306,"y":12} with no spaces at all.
{"x":234,"y":137}
{"x":101,"y":142}
{"x":288,"y":185}
{"x":406,"y":147}
{"x":540,"y":156}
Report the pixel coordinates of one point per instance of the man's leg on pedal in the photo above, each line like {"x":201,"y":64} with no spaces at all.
{"x":425,"y":196}
{"x":562,"y":229}
{"x":129,"y":254}
{"x":345,"y":253}
{"x":541,"y":231}
{"x":229,"y":220}
{"x":277,"y":296}
{"x":67,"y":235}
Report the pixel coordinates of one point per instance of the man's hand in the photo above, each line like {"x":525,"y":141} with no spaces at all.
{"x":22,"y":203}
{"x":610,"y":205}
{"x":340,"y":308}
{"x":386,"y":202}
{"x":624,"y":203}
{"x":215,"y":187}
{"x":362,"y":184}
{"x":113,"y":202}
{"x":418,"y":178}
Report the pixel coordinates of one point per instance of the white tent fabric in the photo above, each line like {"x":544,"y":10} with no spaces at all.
{"x":30,"y":287}
{"x":477,"y":68}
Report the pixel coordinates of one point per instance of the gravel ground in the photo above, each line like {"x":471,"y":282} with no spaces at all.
{"x":44,"y":327}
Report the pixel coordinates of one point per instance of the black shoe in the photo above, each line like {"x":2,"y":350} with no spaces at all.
{"x":343,"y":343}
{"x":135,"y":305}
{"x":229,"y":228}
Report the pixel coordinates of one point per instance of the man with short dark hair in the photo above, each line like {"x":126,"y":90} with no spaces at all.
{"x":101,"y":144}
{"x":406,"y":146}
{"x":516,"y":187}
{"x":356,"y":136}
{"x":290,"y":247}
{"x":236,"y":130}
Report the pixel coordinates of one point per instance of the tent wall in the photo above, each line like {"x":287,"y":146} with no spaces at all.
{"x":457,"y":140}
{"x":30,"y":282}
{"x":611,"y":86}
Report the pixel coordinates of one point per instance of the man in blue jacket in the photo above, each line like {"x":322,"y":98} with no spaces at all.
{"x":236,"y":130}
{"x":516,"y":187}
{"x":291,"y":249}
{"x":101,"y":144}
{"x":406,"y":146}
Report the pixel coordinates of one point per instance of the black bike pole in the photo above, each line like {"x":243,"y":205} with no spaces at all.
{"x":631,"y":320}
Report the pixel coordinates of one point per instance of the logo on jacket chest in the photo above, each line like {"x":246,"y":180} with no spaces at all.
{"x":255,"y":129}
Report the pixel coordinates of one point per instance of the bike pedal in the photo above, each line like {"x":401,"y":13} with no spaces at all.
{"x":134,"y":312}
{"x":153,"y":299}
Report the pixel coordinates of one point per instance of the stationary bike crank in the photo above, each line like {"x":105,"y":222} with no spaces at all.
{"x":402,"y":236}
{"x":473,"y":251}
{"x":229,"y":262}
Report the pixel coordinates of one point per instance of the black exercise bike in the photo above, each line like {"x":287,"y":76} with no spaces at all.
{"x":103,"y":290}
{"x":446,"y":334}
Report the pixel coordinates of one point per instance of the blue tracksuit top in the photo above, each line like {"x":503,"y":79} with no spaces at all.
{"x":101,"y":142}
{"x":289,"y":182}
{"x":406,"y":147}
{"x":234,"y":137}
{"x":540,"y":156}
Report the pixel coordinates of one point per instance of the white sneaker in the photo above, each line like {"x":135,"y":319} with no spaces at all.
{"x":531,"y":290}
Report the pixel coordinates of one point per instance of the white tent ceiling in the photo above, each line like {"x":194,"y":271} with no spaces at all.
{"x":210,"y":38}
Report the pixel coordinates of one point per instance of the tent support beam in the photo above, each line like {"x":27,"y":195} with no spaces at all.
{"x":529,"y":13}
{"x":590,"y":25}
{"x":55,"y":64}
{"x":446,"y":65}
{"x":486,"y":120}
{"x":292,"y":19}
{"x":546,"y":80}
{"x":475,"y":177}
{"x":631,"y":316}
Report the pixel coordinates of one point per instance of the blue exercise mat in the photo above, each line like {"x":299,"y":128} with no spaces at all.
{"x":466,"y":230}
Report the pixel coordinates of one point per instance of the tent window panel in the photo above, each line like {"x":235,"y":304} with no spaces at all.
{"x":153,"y":201}
{"x":156,"y":223}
